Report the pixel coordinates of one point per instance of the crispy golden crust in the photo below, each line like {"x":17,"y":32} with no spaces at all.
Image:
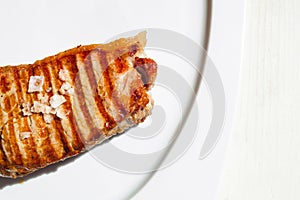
{"x":104,"y":93}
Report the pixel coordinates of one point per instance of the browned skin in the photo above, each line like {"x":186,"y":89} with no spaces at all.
{"x":92,"y":117}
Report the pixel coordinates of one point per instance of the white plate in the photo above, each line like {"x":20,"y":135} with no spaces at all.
{"x":32,"y":30}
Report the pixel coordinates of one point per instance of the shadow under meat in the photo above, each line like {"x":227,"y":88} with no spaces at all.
{"x":4,"y":182}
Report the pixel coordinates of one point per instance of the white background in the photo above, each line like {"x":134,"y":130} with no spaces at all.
{"x":34,"y":29}
{"x":263,"y":161}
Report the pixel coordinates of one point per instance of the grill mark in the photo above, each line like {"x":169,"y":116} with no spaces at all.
{"x":4,"y":159}
{"x":2,"y":114}
{"x":81,"y":97}
{"x":29,"y":142}
{"x":32,"y":159}
{"x":59,"y":126}
{"x":70,"y":65}
{"x":48,"y":149}
{"x":5,"y":97}
{"x":115,"y":97}
{"x":18,"y":84}
{"x":108,"y":83}
{"x":76,"y":143}
{"x":35,"y":124}
{"x":30,"y":73}
{"x":1,"y":117}
{"x":92,"y":81}
{"x":105,"y":72}
{"x":5,"y":84}
{"x":5,"y":143}
{"x":7,"y":150}
{"x":109,"y":122}
{"x":7,"y":106}
{"x":54,"y":85}
{"x":11,"y":102}
{"x":47,"y":76}
{"x":21,"y":123}
{"x":16,"y":154}
{"x":16,"y":127}
{"x":52,"y":128}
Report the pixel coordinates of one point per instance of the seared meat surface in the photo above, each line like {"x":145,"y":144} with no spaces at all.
{"x":65,"y":104}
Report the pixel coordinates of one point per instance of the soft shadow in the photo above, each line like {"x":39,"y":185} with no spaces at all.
{"x":201,"y":70}
{"x":4,"y":182}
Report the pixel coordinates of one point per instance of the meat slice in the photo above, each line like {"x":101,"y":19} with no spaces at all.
{"x":65,"y":104}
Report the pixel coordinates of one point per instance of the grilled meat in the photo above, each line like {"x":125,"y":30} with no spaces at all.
{"x":65,"y":104}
